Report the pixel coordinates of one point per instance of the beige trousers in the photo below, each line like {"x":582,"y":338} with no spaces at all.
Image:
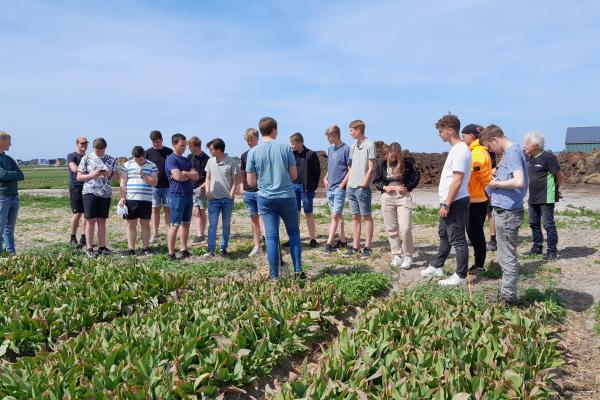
{"x":396,"y":209}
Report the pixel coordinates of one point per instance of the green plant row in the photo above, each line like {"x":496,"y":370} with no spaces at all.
{"x":441,"y":345}
{"x":359,"y":288}
{"x":40,"y":311}
{"x":218,"y":338}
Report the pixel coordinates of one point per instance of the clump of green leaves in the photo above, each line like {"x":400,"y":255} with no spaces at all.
{"x":359,"y":288}
{"x":549,"y":299}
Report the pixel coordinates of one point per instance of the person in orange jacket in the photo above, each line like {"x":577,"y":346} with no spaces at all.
{"x":481,"y":175}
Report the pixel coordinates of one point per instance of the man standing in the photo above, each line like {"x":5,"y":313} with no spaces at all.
{"x":180,"y":175}
{"x":160,"y":193}
{"x":454,"y":204}
{"x":508,"y":190}
{"x":198,"y":158}
{"x":250,"y":193}
{"x":308,"y":174}
{"x":481,"y":175}
{"x":75,"y":192}
{"x":10,"y":174}
{"x":363,"y":161}
{"x":221,"y":182}
{"x":138,"y":177}
{"x":545,"y":178}
{"x":338,"y":159}
{"x":275,"y":166}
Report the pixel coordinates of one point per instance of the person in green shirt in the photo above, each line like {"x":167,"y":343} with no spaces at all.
{"x":10,"y":174}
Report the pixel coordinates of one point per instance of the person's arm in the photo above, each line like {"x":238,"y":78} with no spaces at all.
{"x":516,"y":182}
{"x":242,"y":179}
{"x":412,"y":176}
{"x":83,"y":175}
{"x":234,"y":184}
{"x":73,"y":167}
{"x":293,"y":171}
{"x":369,"y":174}
{"x":178,"y":175}
{"x":151,"y":179}
{"x":457,"y":180}
{"x":560,"y":178}
{"x":251,"y":177}
{"x":325,"y":181}
{"x":207,"y":186}
{"x":7,"y":175}
{"x":344,"y":183}
{"x":123,"y":189}
{"x":192,"y":174}
{"x":378,"y":177}
{"x":480,"y":169}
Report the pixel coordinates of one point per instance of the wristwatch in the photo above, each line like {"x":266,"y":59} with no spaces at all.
{"x":444,"y":205}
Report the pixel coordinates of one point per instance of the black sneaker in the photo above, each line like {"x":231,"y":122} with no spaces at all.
{"x":366,"y":253}
{"x":104,"y":251}
{"x":492,"y":245}
{"x":476,"y":270}
{"x":329,"y":249}
{"x":129,"y":253}
{"x":172,"y":257}
{"x":533,"y":252}
{"x":341,"y":245}
{"x":550,"y":257}
{"x":313,"y":244}
{"x":300,"y":275}
{"x":184,"y":254}
{"x":90,"y":253}
{"x":146,"y":252}
{"x":82,"y":242}
{"x":351,"y":252}
{"x":223,"y":253}
{"x":198,"y":240}
{"x":73,"y":242}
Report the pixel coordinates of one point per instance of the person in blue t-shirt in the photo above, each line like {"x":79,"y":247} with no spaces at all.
{"x":181,"y":191}
{"x":507,"y":190}
{"x":275,"y":166}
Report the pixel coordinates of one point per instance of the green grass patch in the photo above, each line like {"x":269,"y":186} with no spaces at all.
{"x":52,"y":202}
{"x":493,"y":270}
{"x":45,"y":178}
{"x":425,"y":216}
{"x":548,"y":298}
{"x":359,"y":288}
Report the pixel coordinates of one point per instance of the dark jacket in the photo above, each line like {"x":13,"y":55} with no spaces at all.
{"x":312,"y":171}
{"x":411,"y":175}
{"x":10,"y":174}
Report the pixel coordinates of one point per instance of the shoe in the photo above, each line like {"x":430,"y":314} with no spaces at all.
{"x":432,"y":272}
{"x":454,"y":280}
{"x":183,"y":254}
{"x":256,"y":250}
{"x":129,"y":253}
{"x":341,"y":245}
{"x":300,"y":275}
{"x":492,"y":245}
{"x":313,"y":244}
{"x":146,"y":252}
{"x":550,"y":257}
{"x":90,"y":253}
{"x":153,"y":239}
{"x":350,"y":252}
{"x":198,"y":240}
{"x":82,"y":242}
{"x":329,"y":249}
{"x":104,"y":251}
{"x":73,"y":242}
{"x":285,"y":244}
{"x":407,"y":263}
{"x":366,"y":253}
{"x":263,"y":239}
{"x":476,"y":270}
{"x":396,"y":261}
{"x":223,"y":253}
{"x":208,"y":254}
{"x":172,"y":257}
{"x":533,"y":252}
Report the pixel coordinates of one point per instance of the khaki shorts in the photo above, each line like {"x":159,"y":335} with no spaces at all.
{"x":200,"y":200}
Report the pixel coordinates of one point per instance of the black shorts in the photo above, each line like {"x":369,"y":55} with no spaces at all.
{"x":76,"y":199}
{"x":138,"y":209}
{"x":95,"y":206}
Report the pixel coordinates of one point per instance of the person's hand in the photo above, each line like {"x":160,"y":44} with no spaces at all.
{"x":326,"y":182}
{"x":208,"y":195}
{"x":494,"y":184}
{"x":402,"y":189}
{"x":95,"y":174}
{"x":443,"y":212}
{"x":140,"y":172}
{"x":387,"y":189}
{"x":122,"y":203}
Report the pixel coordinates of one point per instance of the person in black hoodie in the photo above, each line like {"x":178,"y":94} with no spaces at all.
{"x":309,"y":174}
{"x":396,"y":176}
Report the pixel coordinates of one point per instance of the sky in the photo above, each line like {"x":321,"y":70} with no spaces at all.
{"x":119,"y":69}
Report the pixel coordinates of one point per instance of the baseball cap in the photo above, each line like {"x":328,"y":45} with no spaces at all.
{"x":473,"y":129}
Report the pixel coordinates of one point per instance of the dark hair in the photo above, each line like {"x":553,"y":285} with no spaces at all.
{"x":267,"y":125}
{"x":297,"y":138}
{"x":217,"y":144}
{"x":450,"y":121}
{"x":176,"y":138}
{"x":138,"y":151}
{"x":99,"y":143}
{"x":155,"y":135}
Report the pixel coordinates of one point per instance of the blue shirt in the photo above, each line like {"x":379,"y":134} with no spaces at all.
{"x":177,"y":188}
{"x":337,"y":164}
{"x":270,"y":161}
{"x":511,"y":199}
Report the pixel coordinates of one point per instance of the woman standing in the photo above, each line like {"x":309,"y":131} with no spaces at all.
{"x":396,"y":177}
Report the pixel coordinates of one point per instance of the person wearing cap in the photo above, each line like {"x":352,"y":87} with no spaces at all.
{"x":75,"y":192}
{"x":481,"y":175}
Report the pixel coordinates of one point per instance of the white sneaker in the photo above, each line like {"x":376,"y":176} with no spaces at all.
{"x":396,"y":261}
{"x":432,"y":272}
{"x":153,"y":239}
{"x":256,"y":250}
{"x":454,"y":280}
{"x":407,"y":263}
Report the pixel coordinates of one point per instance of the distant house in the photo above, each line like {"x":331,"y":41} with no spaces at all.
{"x":584,"y":139}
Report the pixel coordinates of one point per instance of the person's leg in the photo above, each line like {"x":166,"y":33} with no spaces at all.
{"x":167,"y":211}
{"x":268,"y":212}
{"x":547,"y":211}
{"x":172,"y":237}
{"x":250,"y":199}
{"x":333,"y":225}
{"x":74,"y":223}
{"x":404,"y":215}
{"x":101,"y":232}
{"x":131,"y":233}
{"x":184,"y":236}
{"x":255,"y":219}
{"x":214,"y":209}
{"x":196,"y":219}
{"x":186,"y":220}
{"x":287,"y":209}
{"x":364,"y":200}
{"x":444,"y":245}
{"x":4,"y":209}
{"x":176,"y":215}
{"x":338,"y":200}
{"x":507,"y":226}
{"x":145,"y":227}
{"x":226,"y":212}
{"x":390,"y":222}
{"x":355,"y":212}
{"x":457,"y":223}
{"x":156,"y":220}
{"x":476,"y":220}
{"x":356,"y":231}
{"x":307,"y":203}
{"x":535,"y":223}
{"x":11,"y":221}
{"x":89,"y":232}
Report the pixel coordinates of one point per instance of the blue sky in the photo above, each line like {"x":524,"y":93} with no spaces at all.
{"x":119,"y":69}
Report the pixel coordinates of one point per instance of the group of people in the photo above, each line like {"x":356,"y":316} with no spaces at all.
{"x":278,"y":181}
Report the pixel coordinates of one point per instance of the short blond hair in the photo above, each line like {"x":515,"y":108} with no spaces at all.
{"x":250,"y":132}
{"x":358,"y":124}
{"x":195,"y":141}
{"x":334,"y":131}
{"x":4,"y":136}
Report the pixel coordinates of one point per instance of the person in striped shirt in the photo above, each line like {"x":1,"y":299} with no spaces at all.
{"x":138,"y":177}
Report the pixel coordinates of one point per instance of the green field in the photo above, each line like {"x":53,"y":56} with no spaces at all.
{"x":45,"y":178}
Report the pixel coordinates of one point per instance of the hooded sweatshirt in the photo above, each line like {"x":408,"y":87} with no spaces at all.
{"x":481,"y":172}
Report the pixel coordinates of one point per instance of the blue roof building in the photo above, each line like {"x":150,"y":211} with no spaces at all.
{"x":584,"y":139}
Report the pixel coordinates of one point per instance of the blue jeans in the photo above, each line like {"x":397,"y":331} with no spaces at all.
{"x":225,"y":207}
{"x":545,"y":212}
{"x":181,"y":209}
{"x":359,"y":201}
{"x":9,"y":207}
{"x":271,"y":210}
{"x":250,"y":200}
{"x":304,"y":198}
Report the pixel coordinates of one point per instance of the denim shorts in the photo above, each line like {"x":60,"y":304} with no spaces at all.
{"x":200,"y":199}
{"x":359,"y":201}
{"x":251,"y":202}
{"x":181,"y":209}
{"x":303,"y":198}
{"x":335,"y":199}
{"x":160,"y":197}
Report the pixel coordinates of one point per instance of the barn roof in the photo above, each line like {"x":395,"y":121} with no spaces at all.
{"x":586,"y":134}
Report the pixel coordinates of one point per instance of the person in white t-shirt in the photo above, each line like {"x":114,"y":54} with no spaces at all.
{"x":454,"y":204}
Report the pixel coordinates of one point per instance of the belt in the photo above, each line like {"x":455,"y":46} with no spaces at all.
{"x":503,"y":210}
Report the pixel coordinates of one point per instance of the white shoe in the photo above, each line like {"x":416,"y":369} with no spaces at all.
{"x":256,"y":250}
{"x":454,"y":280}
{"x":432,"y":272}
{"x":396,"y":261}
{"x":153,"y":239}
{"x":407,"y":263}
